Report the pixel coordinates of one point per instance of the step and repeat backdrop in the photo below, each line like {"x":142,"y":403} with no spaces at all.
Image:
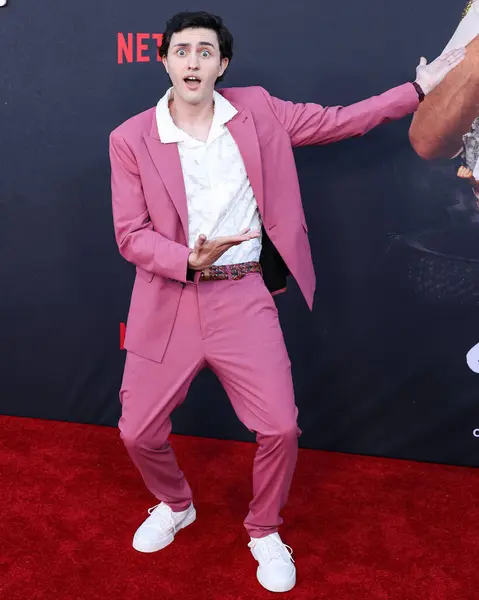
{"x":386,"y":364}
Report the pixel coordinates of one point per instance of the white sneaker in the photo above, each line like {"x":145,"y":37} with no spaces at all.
{"x":159,"y":529}
{"x":276,"y":571}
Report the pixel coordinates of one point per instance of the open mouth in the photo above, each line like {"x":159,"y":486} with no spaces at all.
{"x":192,"y":82}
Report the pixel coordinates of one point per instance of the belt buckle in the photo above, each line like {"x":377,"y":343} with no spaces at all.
{"x":205,"y":274}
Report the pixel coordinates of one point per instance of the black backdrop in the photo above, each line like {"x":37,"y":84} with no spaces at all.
{"x":380,"y":366}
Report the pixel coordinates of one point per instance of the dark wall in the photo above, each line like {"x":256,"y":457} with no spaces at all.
{"x":380,"y":365}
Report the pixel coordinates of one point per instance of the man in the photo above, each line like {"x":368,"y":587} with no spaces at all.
{"x":206,"y":204}
{"x":446,"y":116}
{"x":447,"y":125}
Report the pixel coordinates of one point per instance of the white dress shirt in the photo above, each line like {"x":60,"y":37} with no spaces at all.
{"x":219,"y":196}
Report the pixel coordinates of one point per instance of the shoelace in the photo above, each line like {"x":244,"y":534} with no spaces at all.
{"x":162,"y":515}
{"x":273,"y":549}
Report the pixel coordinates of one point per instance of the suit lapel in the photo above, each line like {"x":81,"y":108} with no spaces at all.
{"x":243,"y":130}
{"x":168,"y":164}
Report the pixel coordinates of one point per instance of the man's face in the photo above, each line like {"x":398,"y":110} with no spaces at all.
{"x":194,"y":63}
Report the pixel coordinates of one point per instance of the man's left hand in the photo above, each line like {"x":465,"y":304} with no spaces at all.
{"x":429,"y":76}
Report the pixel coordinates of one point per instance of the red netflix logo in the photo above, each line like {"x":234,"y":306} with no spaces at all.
{"x":133,"y":47}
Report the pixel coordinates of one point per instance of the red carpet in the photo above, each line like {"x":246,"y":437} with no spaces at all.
{"x":362,"y":528}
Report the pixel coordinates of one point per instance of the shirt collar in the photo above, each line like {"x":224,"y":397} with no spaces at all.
{"x":224,"y":111}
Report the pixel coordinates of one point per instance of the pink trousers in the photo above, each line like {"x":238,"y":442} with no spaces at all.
{"x":232,"y":327}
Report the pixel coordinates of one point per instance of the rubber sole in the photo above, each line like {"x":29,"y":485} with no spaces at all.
{"x":283,"y":587}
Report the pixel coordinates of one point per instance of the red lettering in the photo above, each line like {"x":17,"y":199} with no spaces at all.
{"x":140,"y":47}
{"x":125,"y":49}
{"x":122,"y":335}
{"x":159,"y":38}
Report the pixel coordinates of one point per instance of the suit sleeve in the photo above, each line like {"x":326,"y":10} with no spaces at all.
{"x":312,"y":124}
{"x":134,"y":234}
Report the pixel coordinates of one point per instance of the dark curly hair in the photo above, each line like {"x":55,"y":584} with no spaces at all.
{"x":198,"y":20}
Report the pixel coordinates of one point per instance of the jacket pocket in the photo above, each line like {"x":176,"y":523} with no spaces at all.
{"x":145,"y":275}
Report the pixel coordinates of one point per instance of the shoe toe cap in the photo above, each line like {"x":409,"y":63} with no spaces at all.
{"x":148,"y":534}
{"x":279,"y":572}
{"x":277,"y":578}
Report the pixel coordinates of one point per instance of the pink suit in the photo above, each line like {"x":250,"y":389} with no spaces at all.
{"x":176,"y":327}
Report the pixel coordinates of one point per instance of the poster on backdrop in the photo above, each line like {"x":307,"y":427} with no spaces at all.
{"x":447,"y":126}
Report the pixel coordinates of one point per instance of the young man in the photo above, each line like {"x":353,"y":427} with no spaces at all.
{"x":206,"y":204}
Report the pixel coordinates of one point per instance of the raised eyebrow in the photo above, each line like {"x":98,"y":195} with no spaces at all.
{"x":185,"y":45}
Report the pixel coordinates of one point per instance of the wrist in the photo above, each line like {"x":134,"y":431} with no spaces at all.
{"x":419,"y":89}
{"x":191,"y":260}
{"x":190,"y":270}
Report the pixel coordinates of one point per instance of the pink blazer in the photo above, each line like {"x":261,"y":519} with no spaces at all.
{"x":149,"y":199}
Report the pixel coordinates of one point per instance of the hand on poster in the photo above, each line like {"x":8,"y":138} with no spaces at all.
{"x":466,"y":174}
{"x":429,"y":76}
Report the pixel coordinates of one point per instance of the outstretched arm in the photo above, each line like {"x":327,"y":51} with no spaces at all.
{"x":312,"y":124}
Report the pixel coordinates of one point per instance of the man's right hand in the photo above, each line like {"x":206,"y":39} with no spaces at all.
{"x":207,"y":252}
{"x":430,"y":76}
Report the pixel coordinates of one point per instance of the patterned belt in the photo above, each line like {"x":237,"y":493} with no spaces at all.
{"x":237,"y":271}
